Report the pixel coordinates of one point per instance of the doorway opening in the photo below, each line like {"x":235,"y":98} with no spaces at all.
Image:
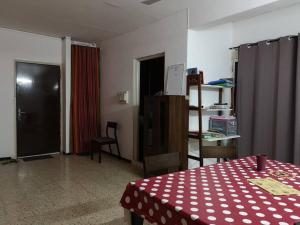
{"x":151,"y":82}
{"x":38,"y":112}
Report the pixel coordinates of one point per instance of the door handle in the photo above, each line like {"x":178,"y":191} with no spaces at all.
{"x":20,"y":113}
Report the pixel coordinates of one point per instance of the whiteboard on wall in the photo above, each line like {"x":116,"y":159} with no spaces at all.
{"x":174,"y":83}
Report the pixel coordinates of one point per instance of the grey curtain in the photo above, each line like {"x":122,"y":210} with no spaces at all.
{"x":268,"y":99}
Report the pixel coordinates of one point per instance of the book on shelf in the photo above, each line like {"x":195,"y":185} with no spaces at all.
{"x":224,"y":82}
{"x":212,"y":134}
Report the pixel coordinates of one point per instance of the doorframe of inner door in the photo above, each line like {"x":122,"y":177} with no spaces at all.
{"x":62,"y":104}
{"x":136,"y":100}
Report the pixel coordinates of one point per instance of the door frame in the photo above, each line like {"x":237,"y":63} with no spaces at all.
{"x":136,"y":99}
{"x":61,"y":94}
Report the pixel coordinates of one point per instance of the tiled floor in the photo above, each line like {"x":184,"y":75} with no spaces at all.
{"x":195,"y":163}
{"x":65,"y":190}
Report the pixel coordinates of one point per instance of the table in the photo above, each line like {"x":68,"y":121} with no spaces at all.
{"x":218,"y":194}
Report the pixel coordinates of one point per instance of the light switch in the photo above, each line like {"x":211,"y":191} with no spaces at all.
{"x":123,"y":97}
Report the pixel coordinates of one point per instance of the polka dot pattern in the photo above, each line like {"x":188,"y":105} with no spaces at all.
{"x":215,"y":194}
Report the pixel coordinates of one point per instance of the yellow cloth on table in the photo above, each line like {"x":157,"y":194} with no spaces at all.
{"x":274,"y":187}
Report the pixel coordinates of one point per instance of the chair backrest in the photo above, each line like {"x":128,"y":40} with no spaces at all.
{"x":161,"y":164}
{"x":111,"y":125}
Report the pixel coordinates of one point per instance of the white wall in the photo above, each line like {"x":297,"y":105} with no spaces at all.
{"x":169,"y":36}
{"x":15,"y":45}
{"x":66,"y":94}
{"x":271,"y":25}
{"x":208,"y":50}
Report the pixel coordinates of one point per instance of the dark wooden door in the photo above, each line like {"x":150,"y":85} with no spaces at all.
{"x":151,"y":82}
{"x":38,"y":109}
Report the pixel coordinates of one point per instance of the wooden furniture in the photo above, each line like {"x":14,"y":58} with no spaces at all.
{"x":219,"y":151}
{"x":100,"y":141}
{"x":161,"y":164}
{"x":166,"y":126}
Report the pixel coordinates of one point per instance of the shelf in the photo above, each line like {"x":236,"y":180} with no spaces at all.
{"x":195,"y":108}
{"x":195,"y":135}
{"x":194,"y":157}
{"x":218,"y":152}
{"x":221,"y":138}
{"x":214,"y":86}
{"x":216,"y":110}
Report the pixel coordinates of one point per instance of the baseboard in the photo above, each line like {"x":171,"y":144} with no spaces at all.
{"x":114,"y":155}
{"x":5,"y":158}
{"x":83,"y":154}
{"x":137,"y":164}
{"x":70,"y":153}
{"x":102,"y":151}
{"x":54,"y":153}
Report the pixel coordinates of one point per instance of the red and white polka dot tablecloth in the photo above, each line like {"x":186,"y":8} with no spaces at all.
{"x":218,"y":194}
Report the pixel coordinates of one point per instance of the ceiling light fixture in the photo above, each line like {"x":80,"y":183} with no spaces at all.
{"x":112,"y":4}
{"x":150,"y":2}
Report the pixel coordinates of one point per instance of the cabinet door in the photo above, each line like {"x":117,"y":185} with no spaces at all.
{"x":155,"y":125}
{"x":178,"y":127}
{"x":166,"y":126}
{"x":148,"y":126}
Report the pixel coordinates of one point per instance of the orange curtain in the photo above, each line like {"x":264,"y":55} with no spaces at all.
{"x":85,"y":97}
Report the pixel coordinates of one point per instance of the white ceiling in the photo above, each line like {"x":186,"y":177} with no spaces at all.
{"x":95,"y":20}
{"x":87,"y":20}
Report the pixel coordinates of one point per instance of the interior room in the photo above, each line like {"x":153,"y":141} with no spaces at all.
{"x":155,"y":112}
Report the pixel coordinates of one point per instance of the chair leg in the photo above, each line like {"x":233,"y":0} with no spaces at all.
{"x":99,"y":156}
{"x":117,"y":144}
{"x":109,"y":146}
{"x":92,"y":150}
{"x":201,"y":162}
{"x":136,"y":220}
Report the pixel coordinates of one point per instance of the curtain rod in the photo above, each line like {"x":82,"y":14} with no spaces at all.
{"x":92,"y":45}
{"x":267,"y":41}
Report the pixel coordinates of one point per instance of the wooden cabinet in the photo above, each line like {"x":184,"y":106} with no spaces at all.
{"x":166,"y":126}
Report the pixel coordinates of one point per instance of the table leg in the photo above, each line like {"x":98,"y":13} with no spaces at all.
{"x":136,"y":220}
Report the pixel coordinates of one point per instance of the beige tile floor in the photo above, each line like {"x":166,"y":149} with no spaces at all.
{"x":65,"y":190}
{"x":195,"y":164}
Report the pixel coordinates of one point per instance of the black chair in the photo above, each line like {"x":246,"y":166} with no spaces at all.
{"x":98,"y":142}
{"x":161,"y":164}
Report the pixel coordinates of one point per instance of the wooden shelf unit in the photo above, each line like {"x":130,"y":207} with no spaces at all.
{"x":210,"y":151}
